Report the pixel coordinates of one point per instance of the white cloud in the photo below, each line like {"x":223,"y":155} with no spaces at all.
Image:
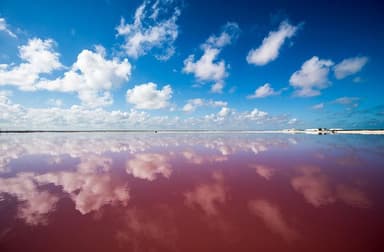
{"x":4,"y":96}
{"x":318,"y":106}
{"x":263,"y":91}
{"x":217,"y":103}
{"x":255,"y":114}
{"x":92,"y":77}
{"x":229,"y":118}
{"x":217,"y":87}
{"x":10,"y":113}
{"x":147,"y":96}
{"x":153,"y":27}
{"x":224,"y":112}
{"x":312,"y":77}
{"x":229,"y":33}
{"x":193,"y":104}
{"x":16,"y":116}
{"x":4,"y":28}
{"x":38,"y":57}
{"x":270,"y":47}
{"x":349,"y":66}
{"x":346,"y":100}
{"x":292,"y":121}
{"x":208,"y":68}
{"x":55,"y":102}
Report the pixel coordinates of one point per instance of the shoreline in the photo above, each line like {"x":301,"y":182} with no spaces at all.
{"x":293,"y":131}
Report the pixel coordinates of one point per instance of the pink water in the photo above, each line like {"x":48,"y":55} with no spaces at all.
{"x":191,"y":192}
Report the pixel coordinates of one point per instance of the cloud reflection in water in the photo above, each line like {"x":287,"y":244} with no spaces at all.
{"x":160,"y":188}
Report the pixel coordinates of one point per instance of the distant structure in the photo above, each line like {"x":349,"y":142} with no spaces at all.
{"x":318,"y":131}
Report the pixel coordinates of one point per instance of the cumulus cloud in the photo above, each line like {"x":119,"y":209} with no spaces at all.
{"x":4,"y":28}
{"x":147,"y":96}
{"x":37,"y":57}
{"x":16,"y":116}
{"x":229,"y":118}
{"x":92,"y":77}
{"x":312,"y":77}
{"x":349,"y":67}
{"x":193,"y":104}
{"x":4,"y":96}
{"x":263,"y":91}
{"x":270,"y":47}
{"x":224,"y":112}
{"x":10,"y":112}
{"x":154,"y":26}
{"x":208,"y":68}
{"x":217,"y":87}
{"x":255,"y":114}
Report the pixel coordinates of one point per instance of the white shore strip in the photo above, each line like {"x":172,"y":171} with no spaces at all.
{"x":334,"y":131}
{"x":312,"y":132}
{"x":363,"y":132}
{"x":221,"y":131}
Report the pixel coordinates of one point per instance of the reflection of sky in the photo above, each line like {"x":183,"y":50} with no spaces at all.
{"x":200,"y":182}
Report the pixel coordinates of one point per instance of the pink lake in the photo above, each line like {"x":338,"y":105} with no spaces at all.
{"x":191,"y":192}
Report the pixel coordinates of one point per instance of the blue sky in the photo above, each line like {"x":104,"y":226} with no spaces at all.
{"x":191,"y":64}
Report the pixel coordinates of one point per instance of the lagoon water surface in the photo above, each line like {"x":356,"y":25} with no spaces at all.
{"x":191,"y":192}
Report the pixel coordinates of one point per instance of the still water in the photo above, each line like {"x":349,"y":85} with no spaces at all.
{"x":191,"y":192}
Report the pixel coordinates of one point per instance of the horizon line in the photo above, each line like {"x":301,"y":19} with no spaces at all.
{"x":320,"y":131}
